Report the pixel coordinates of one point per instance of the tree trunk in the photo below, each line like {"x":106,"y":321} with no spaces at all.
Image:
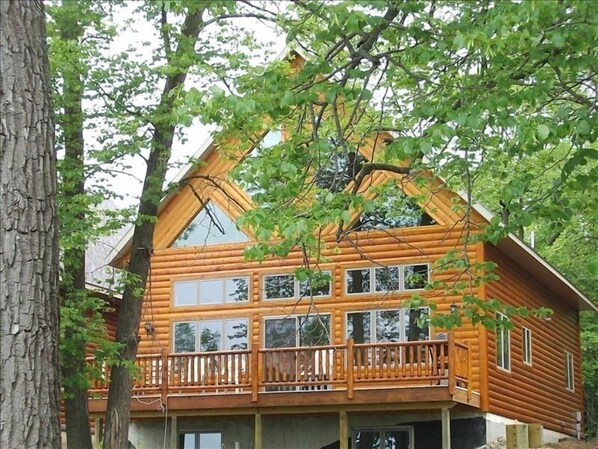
{"x":129,"y":315}
{"x":29,"y":307}
{"x":78,"y":433}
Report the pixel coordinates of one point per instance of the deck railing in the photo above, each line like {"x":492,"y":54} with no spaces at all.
{"x":347,"y":367}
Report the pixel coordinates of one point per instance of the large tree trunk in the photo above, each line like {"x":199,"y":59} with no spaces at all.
{"x":129,"y":315}
{"x":29,"y":307}
{"x":78,"y":433}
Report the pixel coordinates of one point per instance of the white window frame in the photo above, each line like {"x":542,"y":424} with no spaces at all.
{"x":526,"y":335}
{"x":569,"y":372}
{"x":502,"y":362}
{"x":198,"y":299}
{"x":373,"y":270}
{"x":198,"y":433}
{"x":223,"y":323}
{"x":296,"y":287}
{"x":372,"y":314}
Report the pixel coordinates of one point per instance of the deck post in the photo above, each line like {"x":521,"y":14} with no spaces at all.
{"x":164,"y":379}
{"x":446,"y":428}
{"x":174,"y":432}
{"x":350,"y":355}
{"x":97,"y":436}
{"x":258,"y":430}
{"x":343,"y":430}
{"x":255,"y":371}
{"x":452,"y":366}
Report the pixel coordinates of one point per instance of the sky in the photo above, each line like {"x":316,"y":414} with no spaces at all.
{"x":133,"y":40}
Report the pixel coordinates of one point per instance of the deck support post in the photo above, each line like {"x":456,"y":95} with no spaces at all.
{"x":258,"y":431}
{"x":446,"y":428}
{"x":98,"y":434}
{"x":174,"y":432}
{"x":343,"y":430}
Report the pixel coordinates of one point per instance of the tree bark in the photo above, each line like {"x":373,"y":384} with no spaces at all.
{"x":129,"y":316}
{"x":29,"y":306}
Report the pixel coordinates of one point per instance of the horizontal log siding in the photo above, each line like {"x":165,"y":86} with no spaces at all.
{"x":534,"y":393}
{"x":414,"y":245}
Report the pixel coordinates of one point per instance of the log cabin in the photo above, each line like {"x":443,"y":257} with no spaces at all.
{"x":240,"y":354}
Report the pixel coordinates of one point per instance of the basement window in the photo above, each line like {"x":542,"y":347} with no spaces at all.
{"x":200,"y":440}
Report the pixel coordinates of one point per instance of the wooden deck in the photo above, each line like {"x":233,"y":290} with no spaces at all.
{"x":377,"y":373}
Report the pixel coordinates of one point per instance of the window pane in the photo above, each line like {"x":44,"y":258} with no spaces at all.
{"x":503,"y":351}
{"x":274,"y":137}
{"x":339,"y":170}
{"x":414,"y":330}
{"x":279,"y":286}
{"x":416,"y":276}
{"x":320,"y":285}
{"x":358,"y":327}
{"x":187,"y":441}
{"x":185,"y":293}
{"x":281,"y":333}
{"x":388,"y":325}
{"x":315,"y":330}
{"x":236,"y":334}
{"x":358,"y":281}
{"x":387,"y":279}
{"x":396,"y":439}
{"x":237,"y":290}
{"x":210,"y":441}
{"x":184,"y":337}
{"x":367,"y":439}
{"x":210,"y":335}
{"x":208,"y":228}
{"x":211,"y":291}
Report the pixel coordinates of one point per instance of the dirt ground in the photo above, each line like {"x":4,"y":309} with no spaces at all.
{"x":563,"y":444}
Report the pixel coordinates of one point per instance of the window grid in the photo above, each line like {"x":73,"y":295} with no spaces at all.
{"x":372,"y":322}
{"x":527,"y":346}
{"x":375,"y":272}
{"x":297,"y":287}
{"x":503,"y":345}
{"x":196,"y":292}
{"x":192,"y":342}
{"x":569,"y":372}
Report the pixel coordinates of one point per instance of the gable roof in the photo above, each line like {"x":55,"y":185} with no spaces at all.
{"x":511,"y":245}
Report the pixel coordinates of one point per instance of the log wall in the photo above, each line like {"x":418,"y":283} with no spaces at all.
{"x":536,"y":392}
{"x":407,"y":246}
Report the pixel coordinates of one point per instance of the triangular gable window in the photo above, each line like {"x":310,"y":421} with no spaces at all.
{"x":339,"y":170}
{"x":246,"y":179}
{"x":210,"y":226}
{"x":394,"y":210}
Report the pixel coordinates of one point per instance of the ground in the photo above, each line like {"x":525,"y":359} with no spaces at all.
{"x":564,"y":444}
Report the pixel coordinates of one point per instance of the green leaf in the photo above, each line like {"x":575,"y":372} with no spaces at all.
{"x":543,"y":131}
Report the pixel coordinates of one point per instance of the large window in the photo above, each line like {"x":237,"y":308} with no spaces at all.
{"x":503,"y":343}
{"x":388,"y":325}
{"x":211,"y":335}
{"x":286,"y":286}
{"x":210,"y":226}
{"x":390,"y":438}
{"x":386,"y":279}
{"x":296,"y":331}
{"x":200,"y":440}
{"x":211,"y":291}
{"x":527,"y":346}
{"x":569,"y":372}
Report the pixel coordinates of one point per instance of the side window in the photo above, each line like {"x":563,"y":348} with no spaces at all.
{"x":527,"y":346}
{"x":569,"y":372}
{"x":503,"y":343}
